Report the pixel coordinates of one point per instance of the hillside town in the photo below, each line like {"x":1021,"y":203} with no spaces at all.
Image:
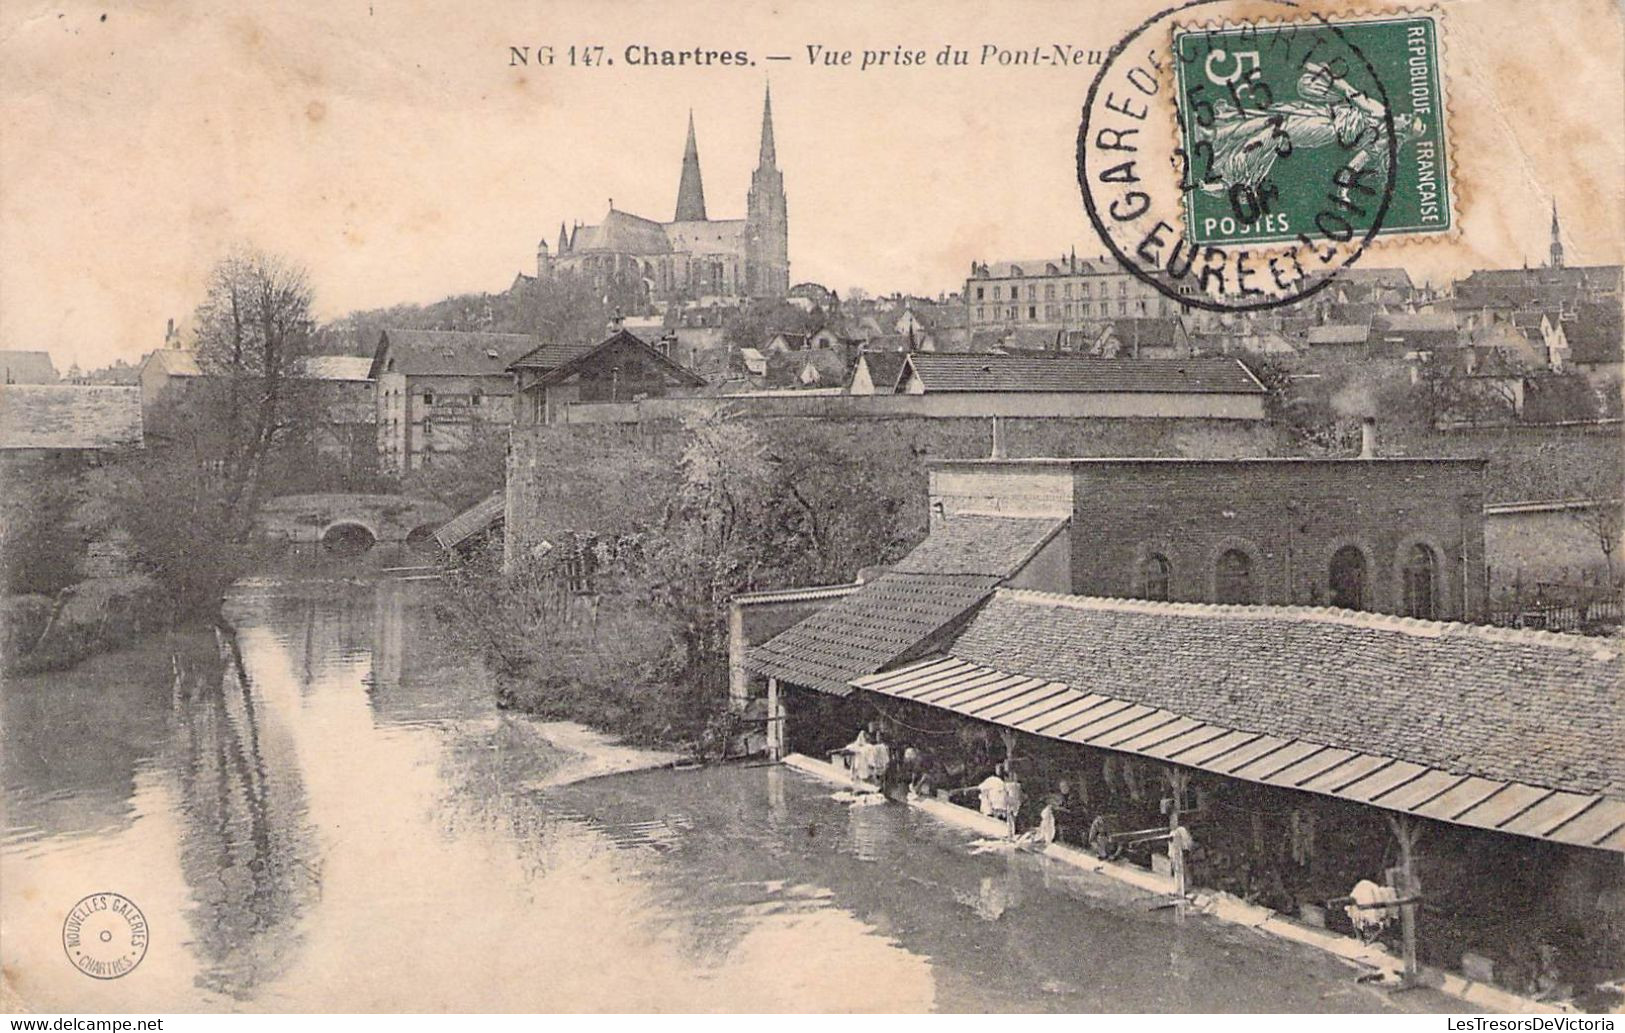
{"x":1308,"y":619}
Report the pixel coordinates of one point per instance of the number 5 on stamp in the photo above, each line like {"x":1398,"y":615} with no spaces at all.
{"x":1334,"y":130}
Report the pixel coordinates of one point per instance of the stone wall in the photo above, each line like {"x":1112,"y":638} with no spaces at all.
{"x":1289,"y":519}
{"x":615,"y":478}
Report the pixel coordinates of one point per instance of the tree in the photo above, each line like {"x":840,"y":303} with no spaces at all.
{"x":253,"y":330}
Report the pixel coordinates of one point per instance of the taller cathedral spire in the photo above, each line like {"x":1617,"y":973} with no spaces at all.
{"x":767,"y":158}
{"x":1557,"y":240}
{"x":767,"y":220}
{"x":690,"y":192}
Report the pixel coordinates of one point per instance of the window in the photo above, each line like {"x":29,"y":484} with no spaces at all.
{"x":979,"y":292}
{"x":1154,"y":577}
{"x":1032,"y":291}
{"x":1420,"y":577}
{"x":477,"y":397}
{"x":1233,"y":577}
{"x":1347,"y":577}
{"x":428,"y":398}
{"x":1032,"y":311}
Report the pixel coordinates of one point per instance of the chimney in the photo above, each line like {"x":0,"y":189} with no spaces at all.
{"x":1368,"y":438}
{"x":998,"y":440}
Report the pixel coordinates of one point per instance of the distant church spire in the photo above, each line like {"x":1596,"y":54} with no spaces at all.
{"x":690,"y":192}
{"x":768,"y":157}
{"x":1557,"y":240}
{"x":564,"y":238}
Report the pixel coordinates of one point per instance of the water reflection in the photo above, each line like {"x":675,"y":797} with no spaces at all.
{"x":248,"y":857}
{"x":337,"y":818}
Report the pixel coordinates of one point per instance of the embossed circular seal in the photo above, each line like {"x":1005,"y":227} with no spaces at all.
{"x":1237,"y":156}
{"x":105,"y":935}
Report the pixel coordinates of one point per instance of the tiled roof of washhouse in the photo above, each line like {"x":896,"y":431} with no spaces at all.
{"x":954,"y":569}
{"x":1520,"y":706}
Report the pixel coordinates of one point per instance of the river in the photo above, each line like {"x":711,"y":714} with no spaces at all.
{"x":354,"y":826}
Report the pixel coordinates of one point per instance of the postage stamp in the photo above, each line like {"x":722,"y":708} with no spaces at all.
{"x":1268,"y":115}
{"x":1237,"y":155}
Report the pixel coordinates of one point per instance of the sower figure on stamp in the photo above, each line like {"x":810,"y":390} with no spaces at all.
{"x":1247,"y":143}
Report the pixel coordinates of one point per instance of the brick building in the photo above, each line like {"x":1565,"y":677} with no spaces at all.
{"x":1399,"y":536}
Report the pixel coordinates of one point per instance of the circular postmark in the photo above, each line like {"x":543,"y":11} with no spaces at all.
{"x":105,"y":935}
{"x":1236,"y":155}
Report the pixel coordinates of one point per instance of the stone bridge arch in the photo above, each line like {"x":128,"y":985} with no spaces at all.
{"x":315,"y":519}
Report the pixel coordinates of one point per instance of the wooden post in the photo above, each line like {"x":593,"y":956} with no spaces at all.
{"x":1405,"y":883}
{"x":775,"y":721}
{"x":1009,"y":737}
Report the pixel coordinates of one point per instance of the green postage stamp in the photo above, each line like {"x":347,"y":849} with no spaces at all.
{"x":1334,"y":129}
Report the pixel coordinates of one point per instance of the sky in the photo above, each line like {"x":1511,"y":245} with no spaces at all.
{"x":393,"y":149}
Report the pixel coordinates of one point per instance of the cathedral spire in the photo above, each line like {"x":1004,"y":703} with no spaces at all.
{"x":1557,"y":240}
{"x":690,"y":192}
{"x":768,"y":157}
{"x":564,"y":238}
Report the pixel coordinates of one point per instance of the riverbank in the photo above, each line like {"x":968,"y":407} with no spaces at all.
{"x":1372,"y":958}
{"x":594,"y":754}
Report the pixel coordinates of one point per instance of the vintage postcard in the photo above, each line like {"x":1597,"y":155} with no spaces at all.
{"x":566,"y":507}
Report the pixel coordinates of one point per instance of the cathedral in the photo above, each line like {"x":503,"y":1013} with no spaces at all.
{"x":693,"y":257}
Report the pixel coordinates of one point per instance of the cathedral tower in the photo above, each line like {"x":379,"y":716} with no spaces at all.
{"x":767,"y":220}
{"x":690,"y":191}
{"x":1557,"y":241}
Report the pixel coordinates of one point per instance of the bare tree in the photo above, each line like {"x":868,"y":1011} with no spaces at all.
{"x":254,"y":331}
{"x":1603,"y":520}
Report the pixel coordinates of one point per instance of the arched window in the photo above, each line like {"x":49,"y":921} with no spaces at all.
{"x":1233,"y":581}
{"x":1348,"y":578}
{"x":1154,"y":571}
{"x":1420,"y":574}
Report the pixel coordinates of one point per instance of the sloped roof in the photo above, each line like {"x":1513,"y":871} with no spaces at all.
{"x":1036,"y":267}
{"x":830,"y":366}
{"x":1150,"y":331}
{"x":337,"y":367}
{"x":956,"y":372}
{"x":69,"y":416}
{"x":1081,"y":715}
{"x":863,"y":632}
{"x":551,"y":355}
{"x":624,"y":233}
{"x":884,"y":368}
{"x":471,"y":521}
{"x":622,"y":338}
{"x":448,"y":352}
{"x":1595,"y":334}
{"x":1531,"y":707}
{"x":174,"y":362}
{"x":1375,"y":277}
{"x":26,"y":367}
{"x":948,"y":574}
{"x":1339,"y":333}
{"x":971,"y":543}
